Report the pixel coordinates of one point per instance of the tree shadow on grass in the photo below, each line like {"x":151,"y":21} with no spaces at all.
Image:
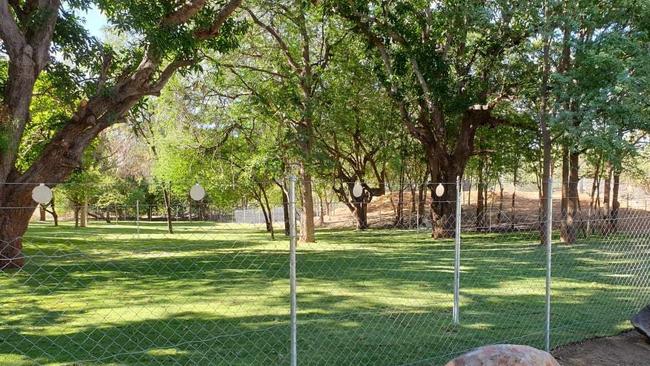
{"x":352,"y":287}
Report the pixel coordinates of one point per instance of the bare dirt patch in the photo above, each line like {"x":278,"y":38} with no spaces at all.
{"x":626,"y":349}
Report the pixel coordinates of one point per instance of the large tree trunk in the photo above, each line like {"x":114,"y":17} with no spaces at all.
{"x":570,"y":196}
{"x":307,"y":232}
{"x":361,"y":214}
{"x":13,"y":224}
{"x":84,"y":214}
{"x":443,"y":210}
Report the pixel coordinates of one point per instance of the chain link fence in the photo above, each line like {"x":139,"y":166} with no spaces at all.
{"x":217,"y":288}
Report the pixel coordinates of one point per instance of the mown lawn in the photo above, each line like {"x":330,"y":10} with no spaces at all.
{"x":217,"y":294}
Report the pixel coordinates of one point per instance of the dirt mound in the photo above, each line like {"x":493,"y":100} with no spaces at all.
{"x":499,"y":211}
{"x":626,"y":349}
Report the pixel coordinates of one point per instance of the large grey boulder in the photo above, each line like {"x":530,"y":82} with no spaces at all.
{"x":641,"y":321}
{"x":505,"y":355}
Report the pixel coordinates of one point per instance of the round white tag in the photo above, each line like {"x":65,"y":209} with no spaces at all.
{"x":42,"y":194}
{"x":197,"y":192}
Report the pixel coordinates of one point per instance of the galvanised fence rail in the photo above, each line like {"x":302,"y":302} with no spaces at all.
{"x":214,"y":287}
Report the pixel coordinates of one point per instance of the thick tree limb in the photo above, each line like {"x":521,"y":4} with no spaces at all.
{"x":223,"y":15}
{"x":184,"y":13}
{"x":11,"y":35}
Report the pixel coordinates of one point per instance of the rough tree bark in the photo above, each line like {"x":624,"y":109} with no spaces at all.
{"x":84,"y":214}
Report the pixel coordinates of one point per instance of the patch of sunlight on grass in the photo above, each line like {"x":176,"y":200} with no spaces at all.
{"x":219,"y":294}
{"x":478,"y":326}
{"x":165,"y":352}
{"x":14,"y":360}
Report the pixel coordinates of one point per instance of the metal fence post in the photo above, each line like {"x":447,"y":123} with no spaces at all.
{"x":456,"y":310}
{"x":292,"y":268}
{"x":548,"y":239}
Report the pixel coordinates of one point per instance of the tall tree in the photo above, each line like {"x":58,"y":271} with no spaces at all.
{"x":443,"y":67}
{"x":170,"y":37}
{"x":296,"y":36}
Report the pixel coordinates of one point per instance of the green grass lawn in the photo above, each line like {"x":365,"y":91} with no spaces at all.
{"x":215,"y":294}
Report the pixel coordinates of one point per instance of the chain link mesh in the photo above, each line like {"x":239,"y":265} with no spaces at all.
{"x":126,"y":291}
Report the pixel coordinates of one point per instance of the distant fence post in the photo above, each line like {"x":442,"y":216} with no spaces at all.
{"x":137,"y":215}
{"x":547,"y":242}
{"x":292,"y":268}
{"x":459,"y":197}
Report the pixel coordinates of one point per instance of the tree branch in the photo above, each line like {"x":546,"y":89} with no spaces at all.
{"x":183,"y":13}
{"x":221,"y":18}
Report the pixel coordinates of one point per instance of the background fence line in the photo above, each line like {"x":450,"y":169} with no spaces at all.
{"x":217,"y":289}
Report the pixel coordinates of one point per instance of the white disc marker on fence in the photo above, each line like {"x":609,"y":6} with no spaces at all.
{"x":357,"y":190}
{"x":440,"y":190}
{"x":42,"y":194}
{"x":197,"y":192}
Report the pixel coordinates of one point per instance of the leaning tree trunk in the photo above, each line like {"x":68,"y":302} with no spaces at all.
{"x":285,"y":210}
{"x":13,"y":223}
{"x":269,"y":214}
{"x":52,"y":211}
